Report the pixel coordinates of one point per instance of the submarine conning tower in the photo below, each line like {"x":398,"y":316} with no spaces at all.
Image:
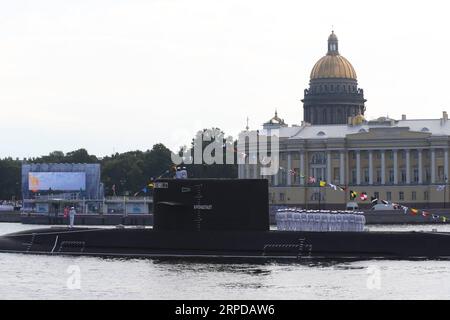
{"x":211,"y":204}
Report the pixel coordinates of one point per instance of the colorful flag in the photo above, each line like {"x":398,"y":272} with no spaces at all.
{"x":414,"y":211}
{"x":374,"y":200}
{"x":435,"y":216}
{"x":440,"y":188}
{"x":425,"y":214}
{"x":342,"y":188}
{"x":444,"y":219}
{"x":353,"y":194}
{"x":332,"y":186}
{"x":405,"y":209}
{"x":312,"y":180}
{"x":363,"y":196}
{"x":385,"y":202}
{"x":322,"y":183}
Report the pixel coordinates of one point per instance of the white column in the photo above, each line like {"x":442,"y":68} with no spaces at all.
{"x":419,"y":164}
{"x":433,"y":166}
{"x":342,"y":168}
{"x":408,"y":167}
{"x":329,"y":178}
{"x":289,"y":168}
{"x":302,"y":168}
{"x":358,"y":167}
{"x":446,"y":164}
{"x":275,"y":178}
{"x":395,"y":166}
{"x":370,"y":167}
{"x":383,"y":167}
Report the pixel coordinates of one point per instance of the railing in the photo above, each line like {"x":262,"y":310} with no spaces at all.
{"x":127,"y":199}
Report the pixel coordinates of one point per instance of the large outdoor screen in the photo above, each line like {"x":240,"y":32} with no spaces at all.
{"x":63,"y":181}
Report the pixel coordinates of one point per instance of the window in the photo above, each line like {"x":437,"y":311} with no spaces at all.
{"x":391,"y":175}
{"x":388,"y":196}
{"x":440,"y":173}
{"x":296,"y":176}
{"x":403,"y":173}
{"x":336,"y":174}
{"x":426,"y":196}
{"x":416,"y":175}
{"x":282,"y":196}
{"x":378,"y":173}
{"x":366,"y":175}
{"x":413,"y":196}
{"x":318,"y":158}
{"x":283,"y":179}
{"x":316,"y":196}
{"x":427,"y":174}
{"x":401,"y":196}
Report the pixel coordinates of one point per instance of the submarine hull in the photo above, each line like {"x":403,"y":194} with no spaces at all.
{"x":229,"y":244}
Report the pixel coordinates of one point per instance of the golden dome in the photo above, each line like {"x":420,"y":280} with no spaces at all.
{"x":333,"y":65}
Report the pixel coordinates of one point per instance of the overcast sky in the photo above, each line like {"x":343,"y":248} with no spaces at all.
{"x":120,"y":75}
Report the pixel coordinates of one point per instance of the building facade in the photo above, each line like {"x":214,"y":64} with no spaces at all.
{"x":403,"y":161}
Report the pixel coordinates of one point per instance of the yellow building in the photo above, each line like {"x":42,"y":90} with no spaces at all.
{"x":402,"y":161}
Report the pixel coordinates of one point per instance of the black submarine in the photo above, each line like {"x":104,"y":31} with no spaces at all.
{"x":223,"y":218}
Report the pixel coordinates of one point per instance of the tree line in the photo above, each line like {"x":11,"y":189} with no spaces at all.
{"x":127,"y":173}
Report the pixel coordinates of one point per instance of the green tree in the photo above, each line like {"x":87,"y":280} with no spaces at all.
{"x":10,"y":172}
{"x":215,"y":170}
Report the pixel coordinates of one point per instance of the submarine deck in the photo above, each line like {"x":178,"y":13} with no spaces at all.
{"x":148,"y":243}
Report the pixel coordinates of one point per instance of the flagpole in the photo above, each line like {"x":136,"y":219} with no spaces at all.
{"x":320,"y":195}
{"x":445,"y":190}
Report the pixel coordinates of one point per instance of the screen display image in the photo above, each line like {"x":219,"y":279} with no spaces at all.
{"x":65,"y":181}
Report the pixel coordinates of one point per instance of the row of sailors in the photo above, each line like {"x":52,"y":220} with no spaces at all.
{"x":320,"y":211}
{"x":319,"y":222}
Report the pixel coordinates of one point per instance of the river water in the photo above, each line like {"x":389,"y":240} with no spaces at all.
{"x":50,"y":277}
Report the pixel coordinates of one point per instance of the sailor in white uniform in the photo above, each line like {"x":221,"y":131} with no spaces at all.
{"x":72,"y":214}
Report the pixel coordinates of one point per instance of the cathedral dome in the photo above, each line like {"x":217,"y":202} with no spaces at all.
{"x":333,"y":65}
